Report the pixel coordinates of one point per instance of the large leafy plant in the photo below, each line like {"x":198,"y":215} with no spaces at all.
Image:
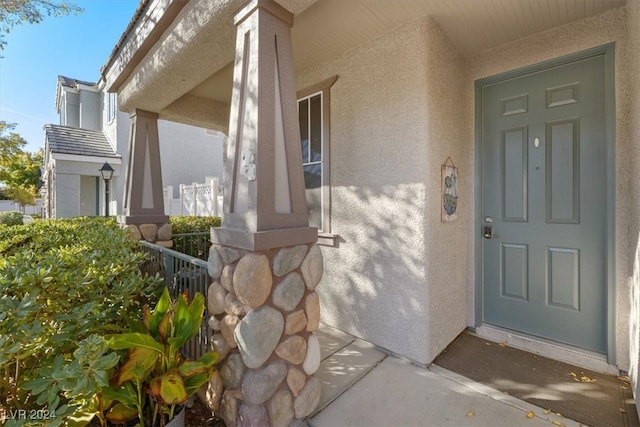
{"x":64,"y":284}
{"x":154,"y":377}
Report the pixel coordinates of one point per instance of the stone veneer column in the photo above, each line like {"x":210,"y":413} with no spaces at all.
{"x":264,"y":310}
{"x":144,"y":200}
{"x":264,"y":262}
{"x":160,"y":233}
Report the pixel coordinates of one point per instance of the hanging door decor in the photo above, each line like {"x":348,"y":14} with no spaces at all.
{"x":449,"y":191}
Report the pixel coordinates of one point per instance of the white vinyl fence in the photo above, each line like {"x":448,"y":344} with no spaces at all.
{"x":197,"y":199}
{"x":10,"y":205}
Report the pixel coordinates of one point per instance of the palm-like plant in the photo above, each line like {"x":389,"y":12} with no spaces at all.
{"x":154,"y":378}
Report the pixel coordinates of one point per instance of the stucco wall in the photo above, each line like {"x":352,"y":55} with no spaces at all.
{"x":188,"y":154}
{"x":71,"y":113}
{"x":595,"y":31}
{"x":446,"y":254}
{"x":631,"y":101}
{"x":390,"y":279}
{"x":67,"y":195}
{"x":89,"y":110}
{"x":75,"y":187}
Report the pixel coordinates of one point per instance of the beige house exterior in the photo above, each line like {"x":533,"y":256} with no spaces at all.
{"x":399,"y":85}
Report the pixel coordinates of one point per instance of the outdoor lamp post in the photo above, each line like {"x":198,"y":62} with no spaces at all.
{"x":107,"y":172}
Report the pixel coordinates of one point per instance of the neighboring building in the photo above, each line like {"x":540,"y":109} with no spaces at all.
{"x":92,"y":131}
{"x":537,"y":105}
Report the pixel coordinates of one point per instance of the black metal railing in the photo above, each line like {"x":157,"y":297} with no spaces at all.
{"x":182,"y":272}
{"x":195,"y":244}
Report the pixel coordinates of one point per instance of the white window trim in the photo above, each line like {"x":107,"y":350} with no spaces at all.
{"x":112,"y":109}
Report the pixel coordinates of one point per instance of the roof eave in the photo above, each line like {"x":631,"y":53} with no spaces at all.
{"x":151,"y":19}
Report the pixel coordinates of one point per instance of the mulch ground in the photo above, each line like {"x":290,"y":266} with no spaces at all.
{"x":200,"y":416}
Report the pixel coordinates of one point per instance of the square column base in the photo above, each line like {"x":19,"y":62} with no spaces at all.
{"x":262,"y":240}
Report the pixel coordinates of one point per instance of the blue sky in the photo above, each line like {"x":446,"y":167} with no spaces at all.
{"x":75,"y":46}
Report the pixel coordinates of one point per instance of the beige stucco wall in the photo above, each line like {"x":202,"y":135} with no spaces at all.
{"x":447,"y":245}
{"x":631,"y":103}
{"x":595,"y":31}
{"x":398,"y":276}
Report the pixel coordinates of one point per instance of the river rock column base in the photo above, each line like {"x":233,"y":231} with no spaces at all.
{"x":160,"y":234}
{"x":264,"y":310}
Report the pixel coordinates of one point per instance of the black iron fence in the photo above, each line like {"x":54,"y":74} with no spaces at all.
{"x":182,"y":272}
{"x":195,"y":244}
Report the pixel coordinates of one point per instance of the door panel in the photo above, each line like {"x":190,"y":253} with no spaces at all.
{"x":543,"y":191}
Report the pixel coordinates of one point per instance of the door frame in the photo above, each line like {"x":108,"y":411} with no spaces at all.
{"x":608,"y":51}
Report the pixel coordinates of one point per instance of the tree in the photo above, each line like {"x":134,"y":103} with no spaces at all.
{"x":14,"y":12}
{"x":19,"y":169}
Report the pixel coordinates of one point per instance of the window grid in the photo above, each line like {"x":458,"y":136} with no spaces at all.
{"x":310,"y":134}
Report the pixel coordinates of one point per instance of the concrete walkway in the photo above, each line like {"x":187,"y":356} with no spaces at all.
{"x":363,"y":386}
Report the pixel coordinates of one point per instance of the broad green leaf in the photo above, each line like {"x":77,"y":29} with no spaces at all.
{"x":163,"y":305}
{"x":182,"y":319}
{"x":134,"y":340}
{"x":106,"y":361}
{"x":81,"y":387}
{"x":120,"y":414}
{"x":37,"y":386}
{"x":191,"y":367}
{"x":140,"y":361}
{"x":169,"y":388}
{"x":210,"y":358}
{"x":193,"y":383}
{"x":164,"y":328}
{"x":14,"y":348}
{"x":101,"y":378}
{"x":196,"y":309}
{"x":125,"y":394}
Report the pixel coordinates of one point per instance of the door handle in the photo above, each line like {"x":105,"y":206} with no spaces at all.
{"x":488,"y":232}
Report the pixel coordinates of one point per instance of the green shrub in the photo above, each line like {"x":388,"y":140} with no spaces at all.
{"x":61,"y":282}
{"x":193,"y":224}
{"x":11,"y":218}
{"x":196,"y":246}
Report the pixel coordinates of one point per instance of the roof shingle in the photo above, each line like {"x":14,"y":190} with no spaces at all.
{"x":73,"y":83}
{"x":84,"y":142}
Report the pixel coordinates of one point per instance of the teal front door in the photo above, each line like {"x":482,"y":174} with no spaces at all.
{"x":543,"y":203}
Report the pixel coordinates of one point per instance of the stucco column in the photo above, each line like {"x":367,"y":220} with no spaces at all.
{"x":264,"y":262}
{"x":143,"y":205}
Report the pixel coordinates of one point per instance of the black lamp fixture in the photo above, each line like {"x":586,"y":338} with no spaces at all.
{"x":106,"y":171}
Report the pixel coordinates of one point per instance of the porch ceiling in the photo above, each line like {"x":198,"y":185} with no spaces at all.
{"x":187,"y":74}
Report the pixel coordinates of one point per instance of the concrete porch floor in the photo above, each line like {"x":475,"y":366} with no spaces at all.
{"x":364,"y":386}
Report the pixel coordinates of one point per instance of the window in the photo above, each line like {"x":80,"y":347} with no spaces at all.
{"x":313,"y":117}
{"x":111,"y":107}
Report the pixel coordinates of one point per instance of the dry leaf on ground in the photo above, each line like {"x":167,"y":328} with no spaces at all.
{"x":530,"y":414}
{"x":583,"y":378}
{"x":470,"y":414}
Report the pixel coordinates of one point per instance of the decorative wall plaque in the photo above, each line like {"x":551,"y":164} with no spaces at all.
{"x":449,"y":191}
